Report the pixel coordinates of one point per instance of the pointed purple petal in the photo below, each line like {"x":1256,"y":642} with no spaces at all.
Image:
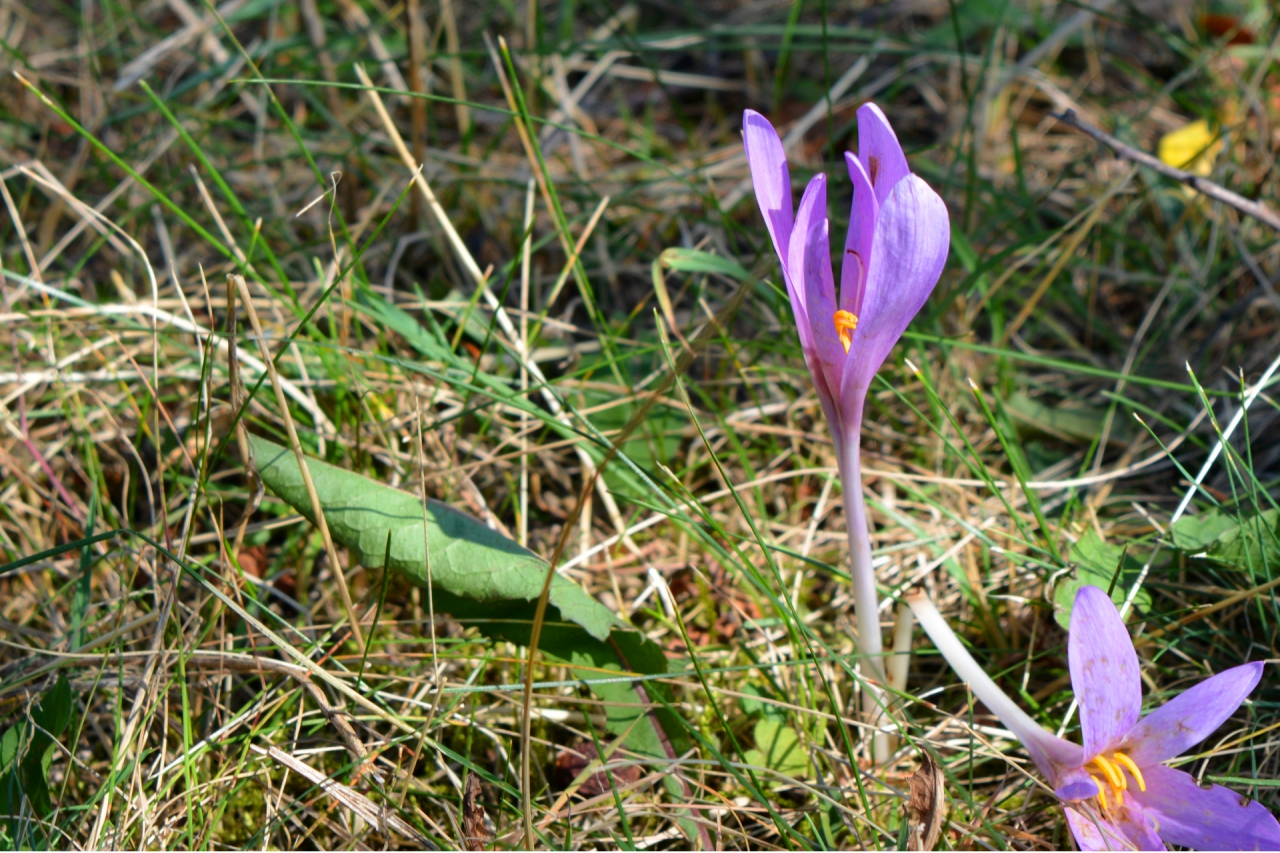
{"x":879,"y":151}
{"x":809,"y":259}
{"x":857,"y":243}
{"x":1104,"y":671}
{"x":1215,"y":818}
{"x":1175,"y":727}
{"x":770,"y":178}
{"x":909,"y":249}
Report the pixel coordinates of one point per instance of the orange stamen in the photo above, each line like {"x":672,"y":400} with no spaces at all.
{"x":1113,"y":774}
{"x":1129,"y":764}
{"x":846,"y":322}
{"x":1102,"y":789}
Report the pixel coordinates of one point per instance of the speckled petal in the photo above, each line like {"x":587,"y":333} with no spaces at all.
{"x":1214,"y":818}
{"x":1095,"y":832}
{"x":1104,"y":671}
{"x":1074,"y":783}
{"x":1192,"y":716}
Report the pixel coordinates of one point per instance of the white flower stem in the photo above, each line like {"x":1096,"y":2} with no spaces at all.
{"x":900,"y":661}
{"x":865,"y":601}
{"x":1045,"y":749}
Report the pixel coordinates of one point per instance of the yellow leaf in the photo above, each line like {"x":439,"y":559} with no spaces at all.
{"x":1192,"y":147}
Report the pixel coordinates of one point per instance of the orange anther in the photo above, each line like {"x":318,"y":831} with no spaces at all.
{"x":1113,"y":774}
{"x":1102,"y":790}
{"x":1129,"y":764}
{"x":846,"y":322}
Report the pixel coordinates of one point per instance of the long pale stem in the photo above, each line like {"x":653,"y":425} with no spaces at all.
{"x":865,"y":601}
{"x":1051,"y":754}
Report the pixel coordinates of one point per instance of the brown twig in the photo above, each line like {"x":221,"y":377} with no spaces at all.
{"x":373,"y":814}
{"x":260,"y":665}
{"x":1258,"y":211}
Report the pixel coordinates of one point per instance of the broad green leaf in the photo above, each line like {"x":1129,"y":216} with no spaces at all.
{"x":8,"y":747}
{"x":1199,"y":532}
{"x":778,"y":748}
{"x":1251,"y":543}
{"x":753,"y":706}
{"x":1096,"y":562}
{"x":27,"y":776}
{"x":484,"y":579}
{"x":54,"y":711}
{"x":1244,"y":541}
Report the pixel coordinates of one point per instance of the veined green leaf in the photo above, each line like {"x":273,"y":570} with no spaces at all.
{"x":1246,"y":541}
{"x":24,"y":775}
{"x":486,"y":580}
{"x":1096,"y":562}
{"x":778,"y":748}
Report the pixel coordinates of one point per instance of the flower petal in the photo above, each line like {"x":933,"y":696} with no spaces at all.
{"x":809,"y":259}
{"x":1175,"y":727}
{"x":1215,"y":818}
{"x":1075,"y":783}
{"x":879,"y":151}
{"x":1104,"y":671}
{"x":770,"y":178}
{"x":857,"y":243}
{"x":1093,"y":831}
{"x":1139,"y":826}
{"x":908,"y":251}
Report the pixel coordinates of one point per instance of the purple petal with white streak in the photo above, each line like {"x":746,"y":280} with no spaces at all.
{"x":857,"y":243}
{"x":1104,"y":671}
{"x":1215,"y":818}
{"x":909,"y":249}
{"x":1192,"y":716}
{"x":879,"y":151}
{"x":770,"y":178}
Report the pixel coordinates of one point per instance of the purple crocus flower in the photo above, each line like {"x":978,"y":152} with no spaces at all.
{"x":893,"y":254}
{"x":1117,"y":792}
